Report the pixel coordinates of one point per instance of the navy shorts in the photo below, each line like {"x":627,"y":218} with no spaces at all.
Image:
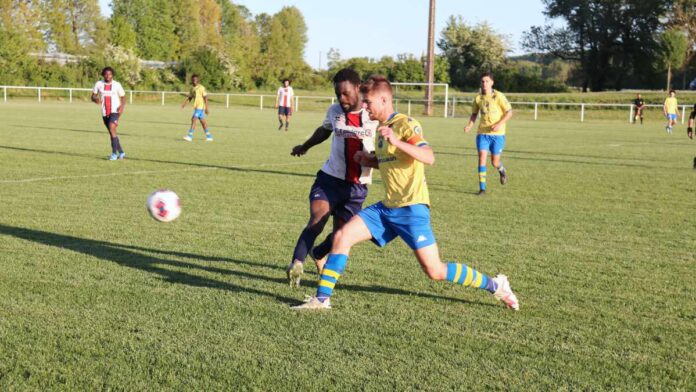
{"x":345,"y":198}
{"x":285,"y":110}
{"x":111,"y":118}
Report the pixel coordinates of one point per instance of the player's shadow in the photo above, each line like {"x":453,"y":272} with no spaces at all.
{"x":137,"y":257}
{"x":201,"y":165}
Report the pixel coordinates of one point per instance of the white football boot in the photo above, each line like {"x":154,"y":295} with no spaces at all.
{"x":313,"y":303}
{"x":504,"y":292}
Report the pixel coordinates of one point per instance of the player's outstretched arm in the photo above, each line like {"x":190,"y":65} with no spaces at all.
{"x":122,"y":106}
{"x":205,"y":99}
{"x":423,"y":154}
{"x":183,"y":104}
{"x":318,"y":137}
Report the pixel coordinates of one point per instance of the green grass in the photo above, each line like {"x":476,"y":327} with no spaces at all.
{"x":595,"y":231}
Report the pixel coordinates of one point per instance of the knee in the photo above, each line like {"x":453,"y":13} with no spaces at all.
{"x":340,"y":240}
{"x":436,"y":272}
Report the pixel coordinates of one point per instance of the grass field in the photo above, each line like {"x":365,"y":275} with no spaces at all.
{"x":595,"y":231}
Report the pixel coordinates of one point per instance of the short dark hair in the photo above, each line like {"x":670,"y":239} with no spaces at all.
{"x":286,"y":80}
{"x":487,"y":73}
{"x":672,"y":91}
{"x":347,"y":75}
{"x":376,"y":83}
{"x":195,"y":76}
{"x":105,"y":69}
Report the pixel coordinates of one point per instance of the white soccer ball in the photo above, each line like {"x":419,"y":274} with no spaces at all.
{"x":164,"y":205}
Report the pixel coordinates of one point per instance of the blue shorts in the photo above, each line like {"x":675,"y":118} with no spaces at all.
{"x":492,"y":143}
{"x":672,"y":116}
{"x":199,"y":114}
{"x":285,"y":110}
{"x":345,"y":198}
{"x":411,"y":223}
{"x":111,"y":118}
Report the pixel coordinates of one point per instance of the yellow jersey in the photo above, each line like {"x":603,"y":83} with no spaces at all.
{"x":671,"y":105}
{"x":403,"y":176}
{"x":490,"y":108}
{"x":197,"y":93}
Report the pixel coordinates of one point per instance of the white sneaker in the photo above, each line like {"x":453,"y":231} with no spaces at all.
{"x":313,"y":303}
{"x":295,"y":271}
{"x":504,"y":292}
{"x":188,"y":138}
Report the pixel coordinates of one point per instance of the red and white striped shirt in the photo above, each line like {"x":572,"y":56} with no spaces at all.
{"x":285,"y":96}
{"x":110,"y":94}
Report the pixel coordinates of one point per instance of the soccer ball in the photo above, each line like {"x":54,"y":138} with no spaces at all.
{"x":164,"y":205}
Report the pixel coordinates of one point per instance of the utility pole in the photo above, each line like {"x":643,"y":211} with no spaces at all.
{"x":430,"y":62}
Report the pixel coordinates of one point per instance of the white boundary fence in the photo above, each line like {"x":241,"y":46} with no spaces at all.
{"x":450,"y":104}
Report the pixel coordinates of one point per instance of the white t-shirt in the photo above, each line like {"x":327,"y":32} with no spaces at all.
{"x":110,"y":94}
{"x":351,"y":133}
{"x":285,"y":95}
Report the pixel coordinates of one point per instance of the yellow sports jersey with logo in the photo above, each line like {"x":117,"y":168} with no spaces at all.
{"x":197,"y":93}
{"x":403,"y":176}
{"x":671,"y":105}
{"x":491,"y":108}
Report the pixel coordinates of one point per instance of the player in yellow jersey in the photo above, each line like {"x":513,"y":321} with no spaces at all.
{"x":494,"y":110}
{"x":401,"y":154}
{"x":200,"y":108}
{"x":671,"y":110}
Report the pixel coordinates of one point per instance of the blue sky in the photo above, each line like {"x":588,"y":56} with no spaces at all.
{"x":374,"y":28}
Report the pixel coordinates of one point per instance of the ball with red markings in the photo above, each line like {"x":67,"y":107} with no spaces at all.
{"x":164,"y":205}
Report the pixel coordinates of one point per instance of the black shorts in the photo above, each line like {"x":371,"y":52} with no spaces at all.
{"x":285,"y":110}
{"x":111,"y":118}
{"x":345,"y":198}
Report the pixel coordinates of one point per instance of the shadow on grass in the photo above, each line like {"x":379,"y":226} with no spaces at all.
{"x":192,"y":164}
{"x":130,"y":256}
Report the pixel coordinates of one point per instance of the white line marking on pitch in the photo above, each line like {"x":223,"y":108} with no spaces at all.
{"x":38,"y":179}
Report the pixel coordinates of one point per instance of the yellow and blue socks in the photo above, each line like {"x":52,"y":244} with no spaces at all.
{"x":207,"y":134}
{"x":333,"y":269}
{"x":482,"y":177}
{"x":463,"y":274}
{"x":190,"y":133}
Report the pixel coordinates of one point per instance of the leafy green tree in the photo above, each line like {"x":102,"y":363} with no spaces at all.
{"x":674,"y":54}
{"x":215,"y":67}
{"x":74,"y":26}
{"x":121,"y":33}
{"x":471,"y":50}
{"x":153,"y":23}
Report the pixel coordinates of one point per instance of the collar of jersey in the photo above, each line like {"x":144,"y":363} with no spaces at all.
{"x":391,"y":116}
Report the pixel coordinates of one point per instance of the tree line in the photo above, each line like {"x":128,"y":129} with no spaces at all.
{"x":602,"y":44}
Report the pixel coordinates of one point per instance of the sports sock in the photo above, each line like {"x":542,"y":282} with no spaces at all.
{"x":324,"y":248}
{"x":207,"y":132}
{"x":305,"y":242}
{"x":333,"y":269}
{"x":482,"y":177}
{"x":287,"y":124}
{"x":467,"y":276}
{"x":113,"y":145}
{"x":190,"y":132}
{"x":118,"y":144}
{"x":501,"y":169}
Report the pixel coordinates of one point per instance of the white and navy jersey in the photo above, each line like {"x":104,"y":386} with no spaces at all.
{"x":110,"y":94}
{"x":352,"y":132}
{"x":285,"y":96}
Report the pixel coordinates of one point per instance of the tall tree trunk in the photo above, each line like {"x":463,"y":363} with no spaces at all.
{"x":669,"y":76}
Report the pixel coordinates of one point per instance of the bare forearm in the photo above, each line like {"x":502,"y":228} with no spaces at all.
{"x":318,"y":137}
{"x":506,"y":117}
{"x":423,"y":154}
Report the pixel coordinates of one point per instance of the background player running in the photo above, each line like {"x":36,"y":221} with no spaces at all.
{"x":200,"y":108}
{"x":639,"y":105}
{"x":284,"y":104}
{"x":340,"y":186}
{"x":109,"y":94}
{"x":671,"y":110}
{"x":401,"y":154}
{"x":495,"y":111}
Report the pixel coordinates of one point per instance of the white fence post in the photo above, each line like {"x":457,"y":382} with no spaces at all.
{"x":446,"y":99}
{"x":536,"y":110}
{"x":582,"y":112}
{"x":333,"y":99}
{"x":630,"y":115}
{"x":297,"y":103}
{"x":683,"y":114}
{"x":162,"y":98}
{"x":227,"y":101}
{"x":39,"y":89}
{"x":409,"y":108}
{"x":454,"y":105}
{"x":261,"y":102}
{"x":4,"y":94}
{"x":70,"y":93}
{"x":130,"y":98}
{"x":396,"y":105}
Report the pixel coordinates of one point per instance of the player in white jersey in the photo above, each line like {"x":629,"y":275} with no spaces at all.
{"x":109,"y":94}
{"x":284,"y":104}
{"x":340,"y":187}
